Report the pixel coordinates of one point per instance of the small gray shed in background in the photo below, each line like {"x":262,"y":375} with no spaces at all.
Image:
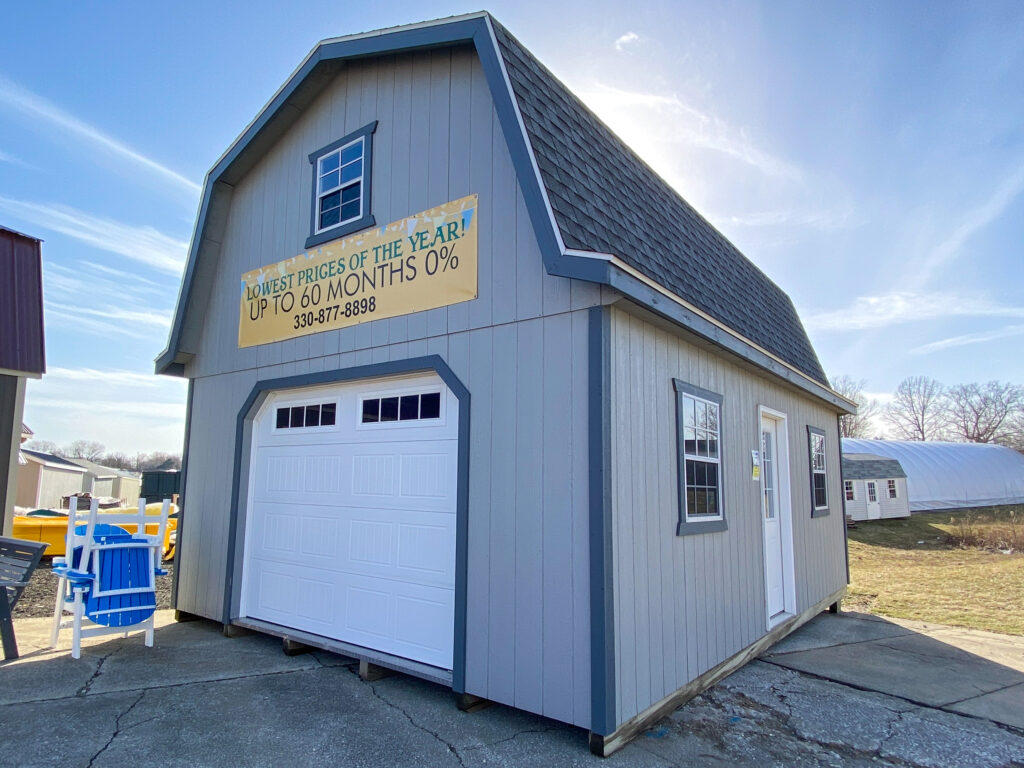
{"x":875,"y":487}
{"x":475,"y":395}
{"x":101,"y":481}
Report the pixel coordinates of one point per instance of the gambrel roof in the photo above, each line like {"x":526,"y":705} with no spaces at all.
{"x":599,"y":212}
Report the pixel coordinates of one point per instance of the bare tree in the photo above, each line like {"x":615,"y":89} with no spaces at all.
{"x":867,"y":409}
{"x":43,"y":446}
{"x":918,"y":411}
{"x":85,"y":449}
{"x":984,"y":413}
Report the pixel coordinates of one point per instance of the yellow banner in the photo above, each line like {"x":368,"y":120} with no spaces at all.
{"x":425,"y":261}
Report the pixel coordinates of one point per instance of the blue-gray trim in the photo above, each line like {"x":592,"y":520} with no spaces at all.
{"x":696,"y":527}
{"x":181,"y":493}
{"x":602,"y":625}
{"x":366,"y":220}
{"x":815,"y":511}
{"x":243,"y":429}
{"x":478,"y":32}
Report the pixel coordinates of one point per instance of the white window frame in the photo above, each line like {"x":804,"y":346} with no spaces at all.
{"x":695,"y":524}
{"x":306,"y":401}
{"x":364,"y":139}
{"x":872,"y":489}
{"x":812,"y":433}
{"x":892,"y":489}
{"x":322,"y":193}
{"x":849,"y":490}
{"x":398,"y":391}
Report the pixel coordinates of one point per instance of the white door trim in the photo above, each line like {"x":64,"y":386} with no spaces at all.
{"x":785,"y":516}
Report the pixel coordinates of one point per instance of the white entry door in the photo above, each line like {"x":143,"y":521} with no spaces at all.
{"x":771,"y":510}
{"x":874,"y":508}
{"x":350,"y":521}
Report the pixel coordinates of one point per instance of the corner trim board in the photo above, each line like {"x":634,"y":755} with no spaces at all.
{"x":243,"y":427}
{"x":181,"y":495}
{"x":602,"y":624}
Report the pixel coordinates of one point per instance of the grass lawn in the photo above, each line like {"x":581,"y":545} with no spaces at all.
{"x":915,"y":569}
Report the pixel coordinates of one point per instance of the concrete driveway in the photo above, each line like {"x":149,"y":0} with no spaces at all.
{"x":844,"y":690}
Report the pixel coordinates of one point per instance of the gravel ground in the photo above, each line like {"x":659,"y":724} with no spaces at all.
{"x":37,"y":599}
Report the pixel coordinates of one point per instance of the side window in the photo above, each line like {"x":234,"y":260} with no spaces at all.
{"x":848,"y":488}
{"x":819,"y":471}
{"x":341,"y":187}
{"x":699,"y":452}
{"x":892,"y":489}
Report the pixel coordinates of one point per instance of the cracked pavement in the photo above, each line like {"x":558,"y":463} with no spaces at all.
{"x":200,"y":699}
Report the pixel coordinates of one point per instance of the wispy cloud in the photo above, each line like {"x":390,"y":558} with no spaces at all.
{"x":126,"y":410}
{"x":131,"y":307}
{"x":868,"y":312}
{"x":687,"y":124}
{"x":7,"y":157}
{"x":967,"y":339}
{"x":141,"y":243}
{"x":974,"y":220}
{"x":23,"y":100}
{"x":824,"y":220}
{"x":627,"y":39}
{"x":111,"y":377}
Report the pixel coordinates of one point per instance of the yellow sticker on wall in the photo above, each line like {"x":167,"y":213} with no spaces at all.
{"x":423,"y":262}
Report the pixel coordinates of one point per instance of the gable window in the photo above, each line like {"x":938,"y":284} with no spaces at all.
{"x":341,"y":187}
{"x":312,"y":415}
{"x":699,"y":452}
{"x":892,"y":489}
{"x":848,"y":488}
{"x":819,"y":479}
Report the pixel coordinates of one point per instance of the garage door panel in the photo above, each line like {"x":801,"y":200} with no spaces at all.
{"x":351,"y":528}
{"x":353,"y":476}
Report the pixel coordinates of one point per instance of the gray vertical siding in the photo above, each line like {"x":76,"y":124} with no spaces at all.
{"x":684,"y":604}
{"x":520,"y":349}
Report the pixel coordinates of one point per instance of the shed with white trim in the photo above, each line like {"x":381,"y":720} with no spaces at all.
{"x":498,"y":408}
{"x":874,"y":487}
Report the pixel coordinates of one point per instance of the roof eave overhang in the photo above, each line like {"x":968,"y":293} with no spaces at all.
{"x":606,"y":269}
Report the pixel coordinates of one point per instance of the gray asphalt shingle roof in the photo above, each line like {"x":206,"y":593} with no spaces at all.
{"x":868,"y":466}
{"x":605,"y":199}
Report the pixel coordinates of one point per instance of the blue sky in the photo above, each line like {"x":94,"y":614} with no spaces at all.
{"x":868,"y":156}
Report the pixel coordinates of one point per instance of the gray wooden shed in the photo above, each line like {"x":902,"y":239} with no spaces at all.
{"x":588,"y":486}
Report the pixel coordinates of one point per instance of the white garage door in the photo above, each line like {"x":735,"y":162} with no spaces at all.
{"x":350,"y":523}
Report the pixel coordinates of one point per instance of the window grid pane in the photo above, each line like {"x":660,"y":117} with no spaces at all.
{"x":418,"y":407}
{"x":701,"y":458}
{"x":339,"y":185}
{"x":300,"y":416}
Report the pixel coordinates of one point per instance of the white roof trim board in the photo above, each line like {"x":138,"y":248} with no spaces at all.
{"x":952,"y":475}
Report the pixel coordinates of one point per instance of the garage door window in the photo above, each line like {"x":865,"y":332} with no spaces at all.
{"x":416,"y":407}
{"x":311,"y":415}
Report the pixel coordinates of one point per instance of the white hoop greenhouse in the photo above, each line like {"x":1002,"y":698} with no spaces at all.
{"x":952,"y":475}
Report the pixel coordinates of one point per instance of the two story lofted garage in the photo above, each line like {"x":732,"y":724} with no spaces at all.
{"x":474,"y":395}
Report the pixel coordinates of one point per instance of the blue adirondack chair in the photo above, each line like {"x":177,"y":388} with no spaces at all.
{"x":108,"y":576}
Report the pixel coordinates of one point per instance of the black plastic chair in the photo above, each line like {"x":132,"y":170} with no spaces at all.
{"x":18,"y":561}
